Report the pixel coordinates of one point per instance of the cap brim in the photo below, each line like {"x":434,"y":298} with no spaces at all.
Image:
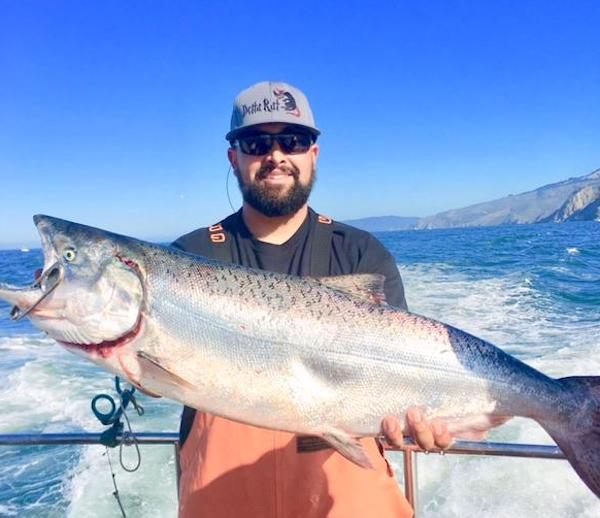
{"x":234,"y":133}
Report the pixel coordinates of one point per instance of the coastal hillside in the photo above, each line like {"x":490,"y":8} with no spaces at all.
{"x":572,"y":199}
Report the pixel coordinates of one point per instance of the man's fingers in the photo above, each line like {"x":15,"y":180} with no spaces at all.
{"x":442,"y":437}
{"x":423,"y":435}
{"x":419,"y":429}
{"x":428,"y":435}
{"x":391,"y":428}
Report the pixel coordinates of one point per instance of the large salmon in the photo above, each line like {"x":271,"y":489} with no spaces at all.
{"x":323,"y":356}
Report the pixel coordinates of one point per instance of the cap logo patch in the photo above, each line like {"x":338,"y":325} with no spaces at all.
{"x":284,"y":101}
{"x":288,"y":101}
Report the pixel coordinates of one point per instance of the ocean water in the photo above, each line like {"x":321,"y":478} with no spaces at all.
{"x":532,"y":290}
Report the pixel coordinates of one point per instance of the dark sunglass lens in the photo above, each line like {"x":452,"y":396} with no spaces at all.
{"x":256,"y":145}
{"x":287,"y":142}
{"x":295,"y":143}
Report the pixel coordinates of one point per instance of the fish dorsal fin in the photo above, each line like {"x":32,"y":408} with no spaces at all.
{"x":364,"y":286}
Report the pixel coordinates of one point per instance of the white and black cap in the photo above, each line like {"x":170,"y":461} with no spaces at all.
{"x":270,"y":101}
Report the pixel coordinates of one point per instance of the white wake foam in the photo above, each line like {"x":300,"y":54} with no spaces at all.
{"x":50,"y":391}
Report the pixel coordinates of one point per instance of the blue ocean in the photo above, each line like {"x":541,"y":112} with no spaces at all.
{"x":533,"y":290}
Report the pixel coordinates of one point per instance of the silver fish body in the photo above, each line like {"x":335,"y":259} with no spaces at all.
{"x":314,"y":356}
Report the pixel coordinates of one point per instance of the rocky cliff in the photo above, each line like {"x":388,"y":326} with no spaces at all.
{"x":584,"y":205}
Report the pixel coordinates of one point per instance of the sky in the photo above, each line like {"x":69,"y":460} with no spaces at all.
{"x":113,"y":113}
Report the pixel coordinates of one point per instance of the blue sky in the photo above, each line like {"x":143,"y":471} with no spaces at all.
{"x":113,"y":113}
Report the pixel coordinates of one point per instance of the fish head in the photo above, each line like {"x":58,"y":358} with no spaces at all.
{"x":90,"y":294}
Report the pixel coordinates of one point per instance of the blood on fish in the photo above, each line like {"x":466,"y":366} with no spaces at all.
{"x":129,"y":262}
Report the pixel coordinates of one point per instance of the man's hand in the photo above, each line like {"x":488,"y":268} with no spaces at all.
{"x":427,"y":434}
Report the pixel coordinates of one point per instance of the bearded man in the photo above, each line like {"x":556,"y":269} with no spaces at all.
{"x":232,"y":470}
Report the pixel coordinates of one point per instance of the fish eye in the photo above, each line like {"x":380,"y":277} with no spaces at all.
{"x":69,"y":254}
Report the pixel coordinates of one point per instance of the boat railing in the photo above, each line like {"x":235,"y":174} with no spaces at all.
{"x":409,"y":450}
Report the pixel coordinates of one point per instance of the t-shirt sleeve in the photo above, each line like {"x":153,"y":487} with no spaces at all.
{"x":377,"y":259}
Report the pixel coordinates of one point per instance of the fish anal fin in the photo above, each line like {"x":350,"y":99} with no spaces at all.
{"x":364,"y":286}
{"x":348,"y":447}
{"x":152,"y":367}
{"x":474,"y":427}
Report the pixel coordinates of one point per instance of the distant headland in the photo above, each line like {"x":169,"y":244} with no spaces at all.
{"x":575,"y":199}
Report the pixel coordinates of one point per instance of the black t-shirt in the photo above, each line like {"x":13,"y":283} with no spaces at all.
{"x":320,"y":247}
{"x":317,"y":249}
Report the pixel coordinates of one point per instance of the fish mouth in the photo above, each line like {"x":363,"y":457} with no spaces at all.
{"x":107,"y":347}
{"x":27,"y":300}
{"x":46,"y":283}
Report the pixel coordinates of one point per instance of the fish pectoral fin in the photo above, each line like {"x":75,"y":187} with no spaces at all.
{"x":159,"y":372}
{"x":146,"y":391}
{"x":364,"y":286}
{"x":349,"y":447}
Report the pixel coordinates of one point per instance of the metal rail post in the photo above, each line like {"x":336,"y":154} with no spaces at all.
{"x":411,"y":486}
{"x":177,"y":450}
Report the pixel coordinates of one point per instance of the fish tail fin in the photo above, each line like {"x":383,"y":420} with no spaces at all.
{"x":578,"y":432}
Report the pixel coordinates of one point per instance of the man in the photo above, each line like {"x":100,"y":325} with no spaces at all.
{"x":234,"y":470}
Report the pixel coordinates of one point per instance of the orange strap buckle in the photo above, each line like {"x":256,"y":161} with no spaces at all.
{"x":215,"y":228}
{"x":216,"y":233}
{"x":217,"y":237}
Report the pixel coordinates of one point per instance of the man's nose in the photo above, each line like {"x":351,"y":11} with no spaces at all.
{"x":276,"y":154}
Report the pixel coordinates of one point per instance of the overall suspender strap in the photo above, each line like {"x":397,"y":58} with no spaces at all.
{"x":220,"y":247}
{"x":219,"y":239}
{"x":320,"y":257}
{"x":320,"y":253}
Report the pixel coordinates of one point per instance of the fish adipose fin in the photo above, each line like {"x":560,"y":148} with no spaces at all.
{"x":349,"y":447}
{"x":156,"y":370}
{"x":364,"y":286}
{"x":578,"y":434}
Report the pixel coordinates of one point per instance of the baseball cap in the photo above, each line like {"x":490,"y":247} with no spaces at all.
{"x":270,"y":101}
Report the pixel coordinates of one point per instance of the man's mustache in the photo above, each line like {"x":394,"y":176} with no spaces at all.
{"x":264,"y":171}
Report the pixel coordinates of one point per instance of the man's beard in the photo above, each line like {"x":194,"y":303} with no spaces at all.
{"x":269,"y":200}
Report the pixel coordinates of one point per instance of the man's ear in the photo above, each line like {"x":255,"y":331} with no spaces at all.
{"x":315,"y":152}
{"x":233,"y":159}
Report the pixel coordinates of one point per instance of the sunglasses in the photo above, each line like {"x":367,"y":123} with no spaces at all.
{"x":262,"y":143}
